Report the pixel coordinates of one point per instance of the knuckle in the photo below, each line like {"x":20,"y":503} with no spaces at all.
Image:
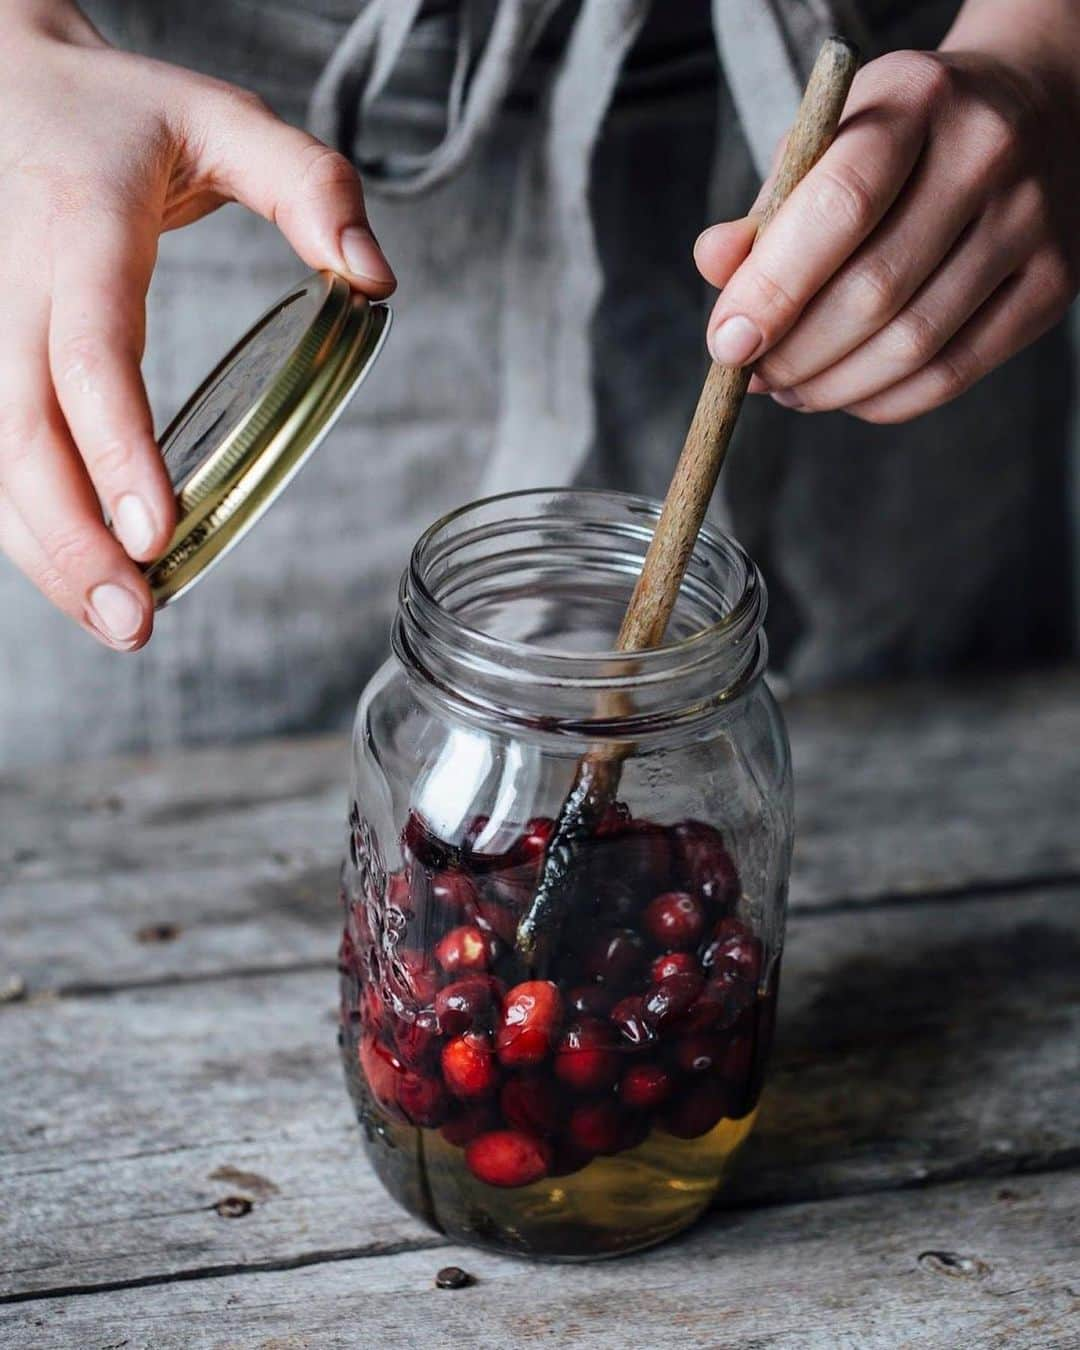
{"x":913,"y":337}
{"x":70,"y":549}
{"x":924,"y":75}
{"x":51,"y":583}
{"x":114,"y":461}
{"x":953,"y":371}
{"x":873,"y":291}
{"x":324,"y":168}
{"x":776,"y":371}
{"x":78,"y":360}
{"x":841,"y":196}
{"x":769,"y":299}
{"x":20,"y":426}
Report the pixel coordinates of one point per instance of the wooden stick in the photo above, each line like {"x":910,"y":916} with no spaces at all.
{"x":687,"y":500}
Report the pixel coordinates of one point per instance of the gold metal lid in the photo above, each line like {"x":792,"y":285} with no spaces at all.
{"x":255,"y":419}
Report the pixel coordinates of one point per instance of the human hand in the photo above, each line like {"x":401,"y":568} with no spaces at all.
{"x":100,"y":151}
{"x":938,"y":236}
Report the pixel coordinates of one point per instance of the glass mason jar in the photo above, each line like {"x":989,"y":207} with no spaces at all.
{"x":583,"y":1095}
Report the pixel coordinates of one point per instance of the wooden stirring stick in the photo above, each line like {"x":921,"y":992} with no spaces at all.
{"x":680,"y":520}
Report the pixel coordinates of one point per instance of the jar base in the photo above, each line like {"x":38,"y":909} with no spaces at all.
{"x":611,"y":1207}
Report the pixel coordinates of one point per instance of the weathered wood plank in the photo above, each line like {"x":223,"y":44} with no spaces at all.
{"x":976,"y":1264}
{"x":899,"y":790}
{"x":917,"y":1043}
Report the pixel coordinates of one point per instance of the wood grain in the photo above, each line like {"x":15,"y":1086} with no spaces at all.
{"x":917,"y":1044}
{"x":978,"y":1264}
{"x":910,"y":790}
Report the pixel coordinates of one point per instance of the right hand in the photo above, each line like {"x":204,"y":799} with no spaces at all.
{"x":101,"y":151}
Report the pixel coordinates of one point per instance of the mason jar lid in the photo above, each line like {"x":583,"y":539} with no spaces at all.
{"x":258,"y":416}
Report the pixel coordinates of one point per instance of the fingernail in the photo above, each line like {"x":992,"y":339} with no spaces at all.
{"x":735,"y":341}
{"x":134,"y":525}
{"x":118,"y":613}
{"x":363,"y":256}
{"x":787,"y":398}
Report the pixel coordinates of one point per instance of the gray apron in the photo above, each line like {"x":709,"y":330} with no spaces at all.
{"x":549,"y":329}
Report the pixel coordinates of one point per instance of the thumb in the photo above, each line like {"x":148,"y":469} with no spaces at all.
{"x":309,"y":191}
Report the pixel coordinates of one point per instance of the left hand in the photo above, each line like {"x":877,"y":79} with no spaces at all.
{"x":938,"y":236}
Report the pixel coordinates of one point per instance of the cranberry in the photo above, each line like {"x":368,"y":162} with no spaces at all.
{"x":464,"y":950}
{"x":455,"y":893}
{"x":416,"y":1037}
{"x":508,"y":1158}
{"x":699,"y":1053}
{"x":410,"y":977}
{"x":382,"y":1071}
{"x":469,"y":1066}
{"x":722,"y":1002}
{"x":533,"y":1104}
{"x":704,"y":864}
{"x":734,"y":950}
{"x":674,"y":963}
{"x":628,"y":1016}
{"x":615,"y":819}
{"x":463,"y":1004}
{"x":694,"y":1113}
{"x":530,"y":1023}
{"x":422,"y":1099}
{"x":591,"y":1000}
{"x":536,"y":837}
{"x":594,"y":1127}
{"x":645,"y":1086}
{"x":737,"y":1060}
{"x":587,"y":1058}
{"x":633,"y":1130}
{"x":615,"y":957}
{"x":513,"y":888}
{"x":469,"y":1120}
{"x":675,"y":920}
{"x":666,"y":1006}
{"x":618,"y":904}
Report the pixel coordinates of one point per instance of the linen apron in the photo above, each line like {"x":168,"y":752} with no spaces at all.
{"x":537,"y":173}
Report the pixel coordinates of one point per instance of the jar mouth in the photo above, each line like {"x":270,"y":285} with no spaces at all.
{"x":527,"y":590}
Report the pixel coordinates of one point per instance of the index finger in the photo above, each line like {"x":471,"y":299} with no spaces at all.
{"x":828,"y":215}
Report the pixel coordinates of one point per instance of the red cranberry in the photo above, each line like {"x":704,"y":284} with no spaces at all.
{"x":722,"y":1003}
{"x":465,"y":949}
{"x":469,"y":1066}
{"x":633,"y":1130}
{"x":628,"y":1017}
{"x":645,"y":1086}
{"x":411,"y":977}
{"x":615,"y":957}
{"x":615,"y":819}
{"x":469,"y":1120}
{"x":667,"y":1005}
{"x":508,"y":1158}
{"x":513,"y":888}
{"x":536,"y":837}
{"x":675,"y":920}
{"x":530,"y":1023}
{"x":422,"y":1099}
{"x":699,"y":1053}
{"x":734,"y":950}
{"x":382,"y":1070}
{"x":591,"y":1000}
{"x":463,"y":1004}
{"x":454,"y":892}
{"x":618,"y":904}
{"x":533,"y":1104}
{"x":674,"y":963}
{"x":704,"y":864}
{"x":587,"y":1059}
{"x":594,"y":1127}
{"x":695,"y":1112}
{"x":416,"y":1037}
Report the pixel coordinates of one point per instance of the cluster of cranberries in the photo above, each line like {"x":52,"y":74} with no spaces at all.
{"x":648,"y":1015}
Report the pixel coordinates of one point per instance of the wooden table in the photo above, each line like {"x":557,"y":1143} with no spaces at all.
{"x":180,"y":1167}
